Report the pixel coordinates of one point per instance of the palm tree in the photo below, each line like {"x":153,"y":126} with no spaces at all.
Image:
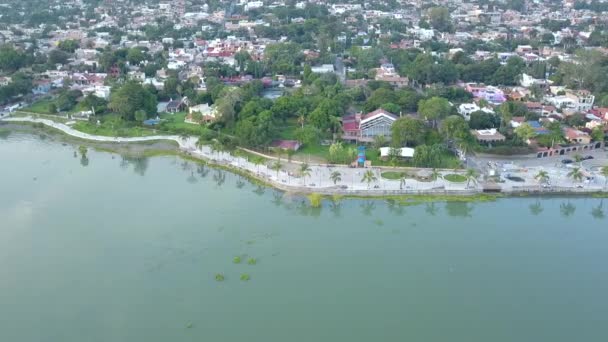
{"x":604,"y":172}
{"x":335,"y":177}
{"x":217,"y":146}
{"x":257,"y":161}
{"x":305,"y":171}
{"x":402,"y":181}
{"x":576,"y":174}
{"x":435,"y":175}
{"x":301,"y":119}
{"x":200,"y":143}
{"x":369,"y":177}
{"x":542,"y":176}
{"x":471,"y":176}
{"x":277,"y":165}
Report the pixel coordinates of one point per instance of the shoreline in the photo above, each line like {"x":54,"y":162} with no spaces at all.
{"x":186,"y":148}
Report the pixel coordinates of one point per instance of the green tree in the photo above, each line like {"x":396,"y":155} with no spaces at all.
{"x":576,"y":174}
{"x":10,"y":59}
{"x":407,"y":131}
{"x":604,"y":172}
{"x":525,"y":131}
{"x":471,"y":176}
{"x":68,"y":45}
{"x":597,"y":134}
{"x":130,"y":98}
{"x":434,"y":109}
{"x":454,"y":126}
{"x":369,"y":177}
{"x":276,"y":166}
{"x":542,"y":176}
{"x":305,"y":171}
{"x":336,"y":177}
{"x":140,"y":115}
{"x":439,"y":18}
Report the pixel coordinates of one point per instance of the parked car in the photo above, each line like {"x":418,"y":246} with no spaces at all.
{"x":587,"y":157}
{"x":567,"y":161}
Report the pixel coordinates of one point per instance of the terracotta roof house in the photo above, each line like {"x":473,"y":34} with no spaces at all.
{"x":576,"y":136}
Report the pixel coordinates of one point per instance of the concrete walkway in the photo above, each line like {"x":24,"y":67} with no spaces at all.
{"x":318,"y":179}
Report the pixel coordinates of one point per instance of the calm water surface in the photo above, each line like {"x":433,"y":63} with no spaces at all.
{"x":113,"y":249}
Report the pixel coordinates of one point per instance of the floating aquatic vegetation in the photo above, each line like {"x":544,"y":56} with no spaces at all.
{"x":236,"y":260}
{"x":252,"y":261}
{"x":245,"y":277}
{"x":219,"y":277}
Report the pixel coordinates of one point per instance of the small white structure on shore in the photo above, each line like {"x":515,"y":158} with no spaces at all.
{"x":404,"y":152}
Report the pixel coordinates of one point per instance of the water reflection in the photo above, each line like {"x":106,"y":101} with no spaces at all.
{"x":431,"y":209}
{"x":191,"y":179}
{"x":140,"y":163}
{"x":367,"y":207}
{"x":536,"y":208}
{"x":277,"y":198}
{"x":395,"y":207}
{"x":4,"y":133}
{"x":259,"y":190}
{"x":598,"y":212}
{"x":567,"y":209}
{"x":202,"y":170}
{"x":219,"y":177}
{"x":84,"y":161}
{"x":459,"y":209}
{"x":239,"y":183}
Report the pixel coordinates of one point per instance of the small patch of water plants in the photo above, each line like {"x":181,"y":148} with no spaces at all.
{"x":252,"y":261}
{"x":245,"y":277}
{"x":236,"y":260}
{"x":219,"y":277}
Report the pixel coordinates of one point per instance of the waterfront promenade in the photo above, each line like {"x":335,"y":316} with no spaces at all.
{"x":288,"y":177}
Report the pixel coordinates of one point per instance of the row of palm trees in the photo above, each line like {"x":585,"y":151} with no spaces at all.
{"x":576,"y":174}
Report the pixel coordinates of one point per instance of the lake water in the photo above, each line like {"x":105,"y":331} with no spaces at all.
{"x":113,"y":249}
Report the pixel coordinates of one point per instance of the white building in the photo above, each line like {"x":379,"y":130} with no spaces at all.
{"x":323,"y":69}
{"x":253,"y":5}
{"x":466,"y":109}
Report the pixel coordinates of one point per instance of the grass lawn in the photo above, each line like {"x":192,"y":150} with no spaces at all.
{"x":455,"y":178}
{"x":392,"y":175}
{"x":174,"y":123}
{"x":318,"y":151}
{"x":112,"y":126}
{"x":40,"y":107}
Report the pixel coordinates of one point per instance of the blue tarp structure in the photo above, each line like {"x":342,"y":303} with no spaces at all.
{"x":151,"y":122}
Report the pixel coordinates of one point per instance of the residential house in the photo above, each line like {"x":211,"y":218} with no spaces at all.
{"x":487,"y":135}
{"x":576,"y":136}
{"x":387,"y":73}
{"x":4,"y":81}
{"x":208,"y":114}
{"x":175,"y":106}
{"x":41,"y":87}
